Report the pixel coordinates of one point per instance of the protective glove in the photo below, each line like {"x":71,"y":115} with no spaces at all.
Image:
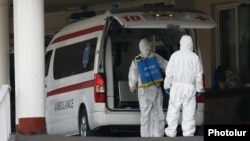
{"x":197,"y":94}
{"x":134,"y":92}
{"x":167,"y":91}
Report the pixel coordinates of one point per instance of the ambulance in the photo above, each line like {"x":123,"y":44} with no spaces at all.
{"x":87,"y":65}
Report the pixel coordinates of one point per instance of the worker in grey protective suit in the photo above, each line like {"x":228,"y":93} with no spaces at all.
{"x":183,"y":82}
{"x":149,"y":93}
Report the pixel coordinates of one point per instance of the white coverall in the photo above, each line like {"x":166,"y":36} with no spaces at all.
{"x":184,"y":76}
{"x":150,"y":98}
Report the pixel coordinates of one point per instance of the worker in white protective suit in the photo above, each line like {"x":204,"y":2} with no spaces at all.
{"x":145,"y":78}
{"x":183,"y":83}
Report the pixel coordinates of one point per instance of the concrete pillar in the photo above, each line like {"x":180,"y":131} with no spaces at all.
{"x":4,"y":43}
{"x":29,"y":66}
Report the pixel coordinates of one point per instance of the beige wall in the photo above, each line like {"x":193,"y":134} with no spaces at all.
{"x":205,"y":40}
{"x":206,"y":37}
{"x":56,"y":21}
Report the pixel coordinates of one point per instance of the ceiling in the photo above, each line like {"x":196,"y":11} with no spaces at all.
{"x":61,"y":5}
{"x":74,"y":5}
{"x":64,"y":5}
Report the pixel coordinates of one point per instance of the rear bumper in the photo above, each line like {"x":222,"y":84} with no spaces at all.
{"x":99,"y":119}
{"x":117,"y":118}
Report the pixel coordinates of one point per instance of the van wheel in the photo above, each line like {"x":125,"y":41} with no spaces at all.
{"x":84,"y":129}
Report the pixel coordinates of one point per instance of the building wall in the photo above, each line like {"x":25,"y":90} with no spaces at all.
{"x":206,"y":37}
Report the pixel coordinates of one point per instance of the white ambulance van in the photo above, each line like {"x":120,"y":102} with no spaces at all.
{"x":87,"y":64}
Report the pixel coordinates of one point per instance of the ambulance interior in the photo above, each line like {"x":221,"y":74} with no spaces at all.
{"x":125,"y":47}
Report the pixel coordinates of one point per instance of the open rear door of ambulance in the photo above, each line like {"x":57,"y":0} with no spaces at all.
{"x":162,"y":18}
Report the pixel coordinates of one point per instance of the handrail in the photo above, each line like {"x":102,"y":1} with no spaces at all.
{"x":5,"y":121}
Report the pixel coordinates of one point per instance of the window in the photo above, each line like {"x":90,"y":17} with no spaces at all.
{"x":47,"y":62}
{"x":74,"y":59}
{"x":244,"y":42}
{"x":234,"y":39}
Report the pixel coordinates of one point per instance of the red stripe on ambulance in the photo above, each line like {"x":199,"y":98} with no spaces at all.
{"x":72,"y":88}
{"x":78,"y":33}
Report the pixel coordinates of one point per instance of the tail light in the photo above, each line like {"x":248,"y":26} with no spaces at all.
{"x":201,"y":98}
{"x":99,"y":87}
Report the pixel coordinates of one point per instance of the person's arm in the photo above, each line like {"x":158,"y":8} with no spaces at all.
{"x":199,"y":73}
{"x":162,"y":62}
{"x":169,"y":74}
{"x":133,"y":76}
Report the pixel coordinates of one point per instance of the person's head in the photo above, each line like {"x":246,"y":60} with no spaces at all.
{"x":186,"y":43}
{"x":145,"y":46}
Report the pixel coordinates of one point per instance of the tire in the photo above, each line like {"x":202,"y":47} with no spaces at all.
{"x":84,"y":129}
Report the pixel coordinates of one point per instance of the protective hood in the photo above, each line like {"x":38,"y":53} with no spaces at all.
{"x":144,"y":46}
{"x":186,"y":43}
